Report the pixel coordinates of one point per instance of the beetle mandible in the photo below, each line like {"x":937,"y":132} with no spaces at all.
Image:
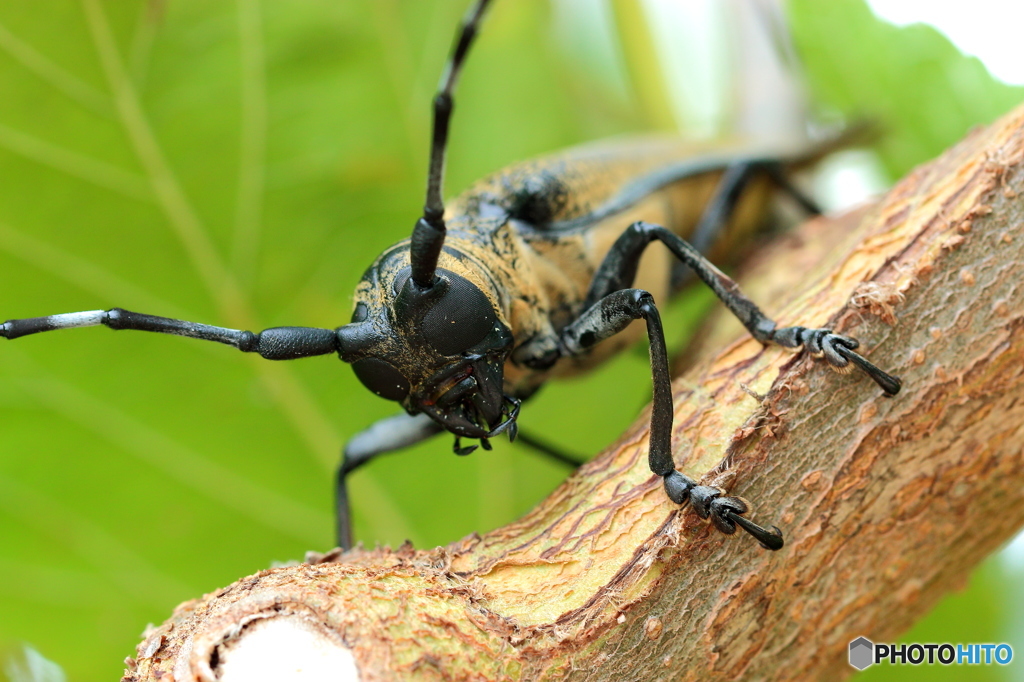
{"x":533,"y":273}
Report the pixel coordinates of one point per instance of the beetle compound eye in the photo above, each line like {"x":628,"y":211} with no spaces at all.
{"x":382,"y":378}
{"x":460,"y":319}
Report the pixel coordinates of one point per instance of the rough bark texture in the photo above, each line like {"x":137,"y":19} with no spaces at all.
{"x":886,"y":503}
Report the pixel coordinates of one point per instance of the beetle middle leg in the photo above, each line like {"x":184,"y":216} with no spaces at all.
{"x":609,"y":316}
{"x":395,"y":433}
{"x":386,"y":435}
{"x":619,"y":267}
{"x":735,"y":180}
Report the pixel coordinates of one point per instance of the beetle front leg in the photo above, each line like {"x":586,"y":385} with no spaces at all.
{"x":618,"y":270}
{"x":609,"y":316}
{"x":387,"y":435}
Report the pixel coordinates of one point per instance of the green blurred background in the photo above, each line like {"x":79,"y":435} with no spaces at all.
{"x":241,"y":163}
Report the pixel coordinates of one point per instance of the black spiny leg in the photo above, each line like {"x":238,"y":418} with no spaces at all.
{"x":607,"y":317}
{"x":610,"y":305}
{"x":727,"y":195}
{"x":618,"y":270}
{"x":387,"y":435}
{"x":734,"y":180}
{"x":778,"y":175}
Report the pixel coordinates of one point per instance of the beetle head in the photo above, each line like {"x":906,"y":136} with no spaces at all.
{"x":428,"y":337}
{"x":439,"y":350}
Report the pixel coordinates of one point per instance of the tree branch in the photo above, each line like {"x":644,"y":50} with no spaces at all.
{"x":886,"y":503}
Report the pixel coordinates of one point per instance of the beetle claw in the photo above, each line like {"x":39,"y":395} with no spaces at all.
{"x":462,"y":451}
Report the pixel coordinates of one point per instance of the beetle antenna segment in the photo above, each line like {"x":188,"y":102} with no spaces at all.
{"x":276,"y":343}
{"x":428,"y":235}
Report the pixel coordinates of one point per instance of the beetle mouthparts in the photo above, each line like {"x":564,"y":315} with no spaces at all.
{"x":511,"y":412}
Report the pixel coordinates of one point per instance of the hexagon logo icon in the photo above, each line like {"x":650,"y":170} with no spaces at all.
{"x":862,"y":652}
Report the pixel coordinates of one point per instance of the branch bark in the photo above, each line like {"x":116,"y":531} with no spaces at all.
{"x":886,"y":503}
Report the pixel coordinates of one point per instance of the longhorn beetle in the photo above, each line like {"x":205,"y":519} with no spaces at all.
{"x":530,"y":274}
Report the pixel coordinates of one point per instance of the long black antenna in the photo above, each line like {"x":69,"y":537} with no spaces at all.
{"x":428,"y":235}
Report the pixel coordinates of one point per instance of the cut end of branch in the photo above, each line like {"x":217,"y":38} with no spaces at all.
{"x":284,"y":649}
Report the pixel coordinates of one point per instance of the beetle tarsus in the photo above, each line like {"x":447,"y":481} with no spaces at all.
{"x":889,"y":383}
{"x":462,"y":451}
{"x":513,"y":432}
{"x":837,"y":350}
{"x":725,"y":512}
{"x":770,"y":538}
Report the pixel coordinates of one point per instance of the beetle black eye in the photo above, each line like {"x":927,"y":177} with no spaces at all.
{"x":460,"y":319}
{"x":382,"y":378}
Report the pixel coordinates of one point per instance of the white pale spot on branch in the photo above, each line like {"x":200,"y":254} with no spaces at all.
{"x":286,"y":649}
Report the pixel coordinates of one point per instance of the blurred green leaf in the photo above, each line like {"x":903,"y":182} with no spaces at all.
{"x":243,"y":163}
{"x":925,"y":94}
